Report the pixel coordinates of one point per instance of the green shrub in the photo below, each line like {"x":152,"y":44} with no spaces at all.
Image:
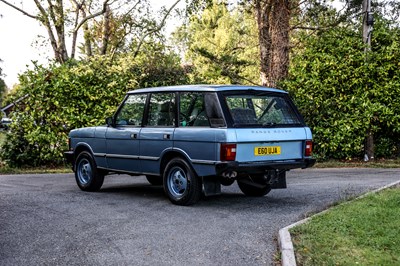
{"x":342,"y":95}
{"x":77,"y":94}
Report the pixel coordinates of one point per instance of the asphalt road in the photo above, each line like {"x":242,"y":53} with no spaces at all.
{"x":47,"y":220}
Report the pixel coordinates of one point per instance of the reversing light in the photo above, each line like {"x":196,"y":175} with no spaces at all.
{"x":228,"y":152}
{"x":308,"y":149}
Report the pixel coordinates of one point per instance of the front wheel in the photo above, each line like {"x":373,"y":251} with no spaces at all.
{"x":252,"y":188}
{"x":181,"y":184}
{"x":87,"y":175}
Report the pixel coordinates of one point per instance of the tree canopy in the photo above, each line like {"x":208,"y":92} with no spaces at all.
{"x":221,"y":44}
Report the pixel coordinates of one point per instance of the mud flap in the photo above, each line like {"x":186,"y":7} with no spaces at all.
{"x":277,"y":179}
{"x":211,"y":186}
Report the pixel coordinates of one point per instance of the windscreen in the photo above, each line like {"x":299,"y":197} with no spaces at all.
{"x":268,"y":110}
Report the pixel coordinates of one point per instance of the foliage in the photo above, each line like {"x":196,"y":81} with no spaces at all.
{"x":77,"y":94}
{"x":2,"y":137}
{"x":221,"y":45}
{"x":107,"y":27}
{"x":361,"y":233}
{"x":342,"y":94}
{"x":120,"y":31}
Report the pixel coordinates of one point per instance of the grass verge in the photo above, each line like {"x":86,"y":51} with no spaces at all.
{"x":365,"y":232}
{"x":379,"y":163}
{"x":6,"y":170}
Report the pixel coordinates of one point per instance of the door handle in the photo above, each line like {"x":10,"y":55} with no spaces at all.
{"x":133,"y":136}
{"x":167,"y":136}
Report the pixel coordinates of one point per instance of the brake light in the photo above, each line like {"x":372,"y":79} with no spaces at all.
{"x":69,"y":144}
{"x":308,"y":149}
{"x":228,"y":152}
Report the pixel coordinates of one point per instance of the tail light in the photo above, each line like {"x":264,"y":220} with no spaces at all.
{"x":69,"y":144}
{"x":228,"y":152}
{"x":308,"y":149}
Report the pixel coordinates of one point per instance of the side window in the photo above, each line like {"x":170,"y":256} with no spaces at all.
{"x":162,"y":109}
{"x":192,"y":110}
{"x":214,"y":111}
{"x":131,"y":112}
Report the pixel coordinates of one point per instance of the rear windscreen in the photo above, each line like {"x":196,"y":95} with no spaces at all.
{"x":262,"y":110}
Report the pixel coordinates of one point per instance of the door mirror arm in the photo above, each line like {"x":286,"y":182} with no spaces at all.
{"x":110,"y":122}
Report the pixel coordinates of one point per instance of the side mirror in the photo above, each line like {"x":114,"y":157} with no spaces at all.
{"x":110,"y":122}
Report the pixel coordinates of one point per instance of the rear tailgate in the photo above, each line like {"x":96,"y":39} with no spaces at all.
{"x":261,"y":144}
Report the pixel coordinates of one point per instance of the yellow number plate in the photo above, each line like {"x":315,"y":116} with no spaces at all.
{"x":267,"y":150}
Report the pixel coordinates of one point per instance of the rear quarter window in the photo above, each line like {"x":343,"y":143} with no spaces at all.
{"x":200,"y":109}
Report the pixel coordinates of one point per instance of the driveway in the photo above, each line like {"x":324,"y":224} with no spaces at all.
{"x":47,"y":220}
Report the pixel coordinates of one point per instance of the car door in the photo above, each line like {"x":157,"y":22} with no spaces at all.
{"x":158,"y":133}
{"x":123,"y":138}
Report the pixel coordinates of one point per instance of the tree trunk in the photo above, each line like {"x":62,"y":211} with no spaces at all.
{"x":75,"y":33}
{"x":369,"y":146}
{"x":59,"y":22}
{"x":45,"y":19}
{"x":279,"y":21}
{"x":367,"y":28}
{"x":87,"y":37}
{"x":264,"y":38}
{"x":106,"y":31}
{"x":273,"y":33}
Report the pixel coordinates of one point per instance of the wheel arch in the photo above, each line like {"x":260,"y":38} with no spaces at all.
{"x":173,"y":153}
{"x":80,"y":147}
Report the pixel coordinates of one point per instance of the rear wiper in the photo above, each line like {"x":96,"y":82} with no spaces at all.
{"x":269,"y":124}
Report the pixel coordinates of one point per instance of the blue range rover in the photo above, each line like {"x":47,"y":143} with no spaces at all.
{"x":193,"y":139}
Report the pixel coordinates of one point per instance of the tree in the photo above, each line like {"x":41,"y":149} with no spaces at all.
{"x":220,"y":45}
{"x":53,"y":15}
{"x":328,"y":78}
{"x":128,"y":30}
{"x":275,"y":20}
{"x":61,"y":19}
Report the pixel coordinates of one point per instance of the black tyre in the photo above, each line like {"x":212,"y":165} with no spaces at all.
{"x":154,"y":180}
{"x":87,"y":176}
{"x":252,"y":188}
{"x":181,"y":184}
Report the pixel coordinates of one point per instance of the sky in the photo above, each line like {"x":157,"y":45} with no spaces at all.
{"x":20,"y":44}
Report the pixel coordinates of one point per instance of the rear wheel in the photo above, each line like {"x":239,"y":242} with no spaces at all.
{"x":181,"y":184}
{"x":87,"y":176}
{"x":253,"y":187}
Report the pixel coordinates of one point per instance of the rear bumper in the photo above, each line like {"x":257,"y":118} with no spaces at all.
{"x":261,"y":167}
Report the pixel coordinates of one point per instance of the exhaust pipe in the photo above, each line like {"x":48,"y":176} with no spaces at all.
{"x":229,"y":175}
